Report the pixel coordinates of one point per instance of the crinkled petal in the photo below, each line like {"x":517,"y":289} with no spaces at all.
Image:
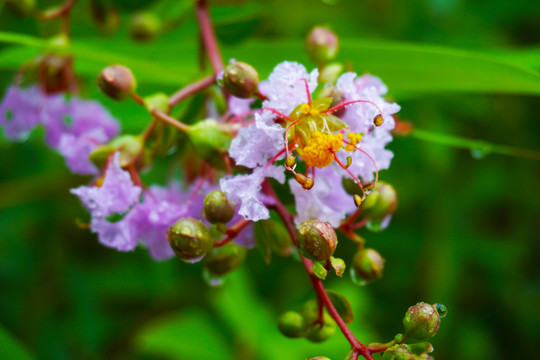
{"x":115,"y":196}
{"x":245,"y":191}
{"x":76,"y":151}
{"x":285,"y":89}
{"x":118,"y":235}
{"x":19,"y":111}
{"x":257,"y":143}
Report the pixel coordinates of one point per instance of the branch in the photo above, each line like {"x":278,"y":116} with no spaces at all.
{"x":191,"y":89}
{"x":208,"y":36}
{"x":317,"y":284}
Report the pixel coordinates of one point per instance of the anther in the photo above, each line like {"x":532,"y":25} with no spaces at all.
{"x":291,"y":161}
{"x":306,"y":182}
{"x":357,"y":200}
{"x":378,"y":120}
{"x":305,"y":108}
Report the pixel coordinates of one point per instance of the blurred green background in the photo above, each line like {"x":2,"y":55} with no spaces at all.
{"x":466,"y":232}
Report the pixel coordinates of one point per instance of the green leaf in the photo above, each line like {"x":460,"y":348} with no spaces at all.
{"x":408,"y":68}
{"x":319,"y":270}
{"x":342,"y":305}
{"x":478,"y":148}
{"x":11,"y":349}
{"x":189,"y":335}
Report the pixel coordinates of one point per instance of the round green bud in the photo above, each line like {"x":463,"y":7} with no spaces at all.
{"x":290,"y":324}
{"x":398,"y":352}
{"x":21,"y":7}
{"x":117,"y":82}
{"x":217,"y":208}
{"x":321,"y":45}
{"x":421,"y":321}
{"x":129,"y":147}
{"x":316,"y":240}
{"x":368,"y":265}
{"x":144,"y":26}
{"x":190,"y":239}
{"x":319,"y":333}
{"x":241,"y":80}
{"x":221,"y":260}
{"x":381,"y":202}
{"x":310,"y":313}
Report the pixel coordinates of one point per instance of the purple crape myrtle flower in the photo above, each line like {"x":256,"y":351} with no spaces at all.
{"x":109,"y":205}
{"x":20,"y":111}
{"x":289,"y":90}
{"x":73,"y":127}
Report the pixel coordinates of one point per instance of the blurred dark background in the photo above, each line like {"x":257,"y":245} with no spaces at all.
{"x":466,"y":232}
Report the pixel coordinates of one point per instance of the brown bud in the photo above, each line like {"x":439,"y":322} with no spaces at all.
{"x":322,"y":44}
{"x":306,"y":182}
{"x":241,"y":79}
{"x":378,"y":120}
{"x":316,"y":240}
{"x":117,"y":81}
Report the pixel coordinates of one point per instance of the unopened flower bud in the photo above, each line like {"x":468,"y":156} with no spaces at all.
{"x":290,"y":324}
{"x":117,"y":82}
{"x":129,"y":147}
{"x":397,"y":352}
{"x":241,"y":79}
{"x":20,"y":7}
{"x":316,"y":240}
{"x":190,"y":239}
{"x":56,"y":73}
{"x":319,"y":333}
{"x":421,"y":321}
{"x":144,"y":26}
{"x":217,"y":208}
{"x":368,"y":265}
{"x":210,"y":141}
{"x":224,"y":259}
{"x":321,"y":44}
{"x":330,"y":73}
{"x":381,"y":202}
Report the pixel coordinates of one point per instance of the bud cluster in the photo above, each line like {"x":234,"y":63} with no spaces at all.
{"x":307,"y":323}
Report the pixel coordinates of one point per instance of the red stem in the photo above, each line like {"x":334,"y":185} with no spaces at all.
{"x":233,"y":232}
{"x":208,"y":36}
{"x":317,"y":284}
{"x":191,"y":89}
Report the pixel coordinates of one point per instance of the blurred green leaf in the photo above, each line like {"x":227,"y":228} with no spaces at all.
{"x":184,"y":335}
{"x":342,"y":305}
{"x":478,"y":148}
{"x":10,"y":347}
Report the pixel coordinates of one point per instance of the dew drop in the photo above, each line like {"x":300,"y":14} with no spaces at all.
{"x":480,"y":153}
{"x":441,"y":309}
{"x":357,"y":279}
{"x":219,"y":81}
{"x":212,"y":279}
{"x":197,"y":259}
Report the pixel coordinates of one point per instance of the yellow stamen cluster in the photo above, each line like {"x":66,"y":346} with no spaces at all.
{"x":353,"y":139}
{"x":319,"y":152}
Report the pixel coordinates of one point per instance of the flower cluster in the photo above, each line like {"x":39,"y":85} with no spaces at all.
{"x":73,"y":127}
{"x":334,"y":141}
{"x":122,"y":214}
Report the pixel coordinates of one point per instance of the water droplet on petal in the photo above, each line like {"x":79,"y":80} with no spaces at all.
{"x":191,"y":261}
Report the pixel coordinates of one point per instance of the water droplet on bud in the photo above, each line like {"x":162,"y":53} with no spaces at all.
{"x":441,"y":309}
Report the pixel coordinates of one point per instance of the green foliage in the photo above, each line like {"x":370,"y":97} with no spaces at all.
{"x":465,"y":232}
